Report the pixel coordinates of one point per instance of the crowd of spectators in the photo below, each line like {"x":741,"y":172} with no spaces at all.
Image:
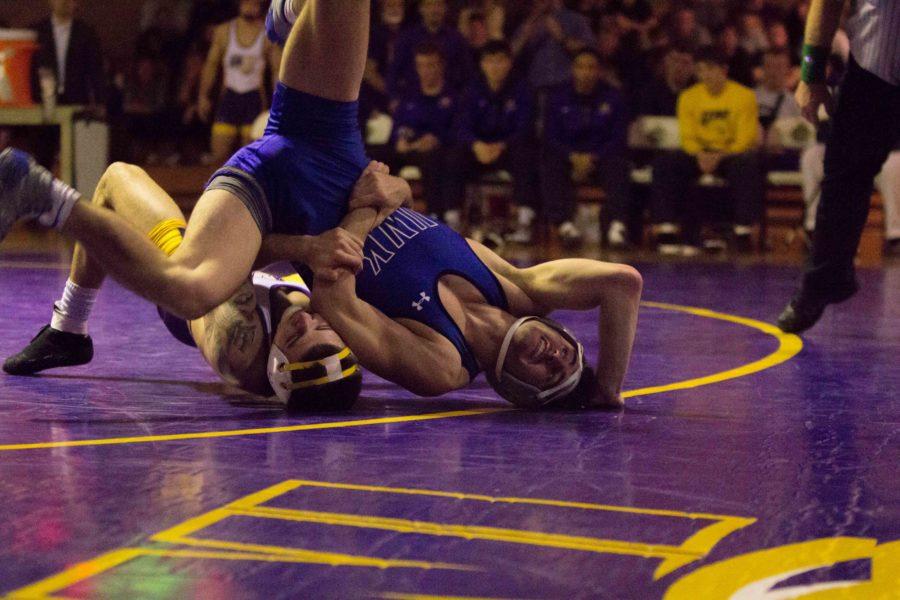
{"x":548,"y":91}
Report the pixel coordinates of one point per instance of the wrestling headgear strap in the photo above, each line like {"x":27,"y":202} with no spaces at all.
{"x":286,"y":377}
{"x":524,"y":394}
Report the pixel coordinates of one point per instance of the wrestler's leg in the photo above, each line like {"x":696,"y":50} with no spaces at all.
{"x":130,"y":192}
{"x":325,"y":54}
{"x":220,"y":245}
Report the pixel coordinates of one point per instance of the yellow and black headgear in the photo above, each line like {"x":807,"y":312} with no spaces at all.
{"x":329,"y":379}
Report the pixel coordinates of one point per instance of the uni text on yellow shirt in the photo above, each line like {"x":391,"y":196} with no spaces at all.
{"x":726,"y":123}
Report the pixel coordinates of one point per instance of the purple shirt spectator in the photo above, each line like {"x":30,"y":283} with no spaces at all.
{"x":487,"y":116}
{"x":418,"y":114}
{"x":595,"y":123}
{"x":457,"y":57}
{"x":548,"y":37}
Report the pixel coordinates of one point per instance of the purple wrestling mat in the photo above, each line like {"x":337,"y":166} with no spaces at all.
{"x":745,"y":462}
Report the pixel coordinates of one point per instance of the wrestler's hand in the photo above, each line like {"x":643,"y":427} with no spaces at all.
{"x":607,"y":399}
{"x":332,"y":253}
{"x":378,"y":190}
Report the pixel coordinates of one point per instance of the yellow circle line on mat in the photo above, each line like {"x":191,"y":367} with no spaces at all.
{"x":788,"y":347}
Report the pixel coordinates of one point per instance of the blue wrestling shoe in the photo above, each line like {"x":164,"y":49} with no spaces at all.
{"x":278,"y":28}
{"x":25,"y":189}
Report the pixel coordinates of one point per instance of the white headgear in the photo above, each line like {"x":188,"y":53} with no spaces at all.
{"x":524,"y":394}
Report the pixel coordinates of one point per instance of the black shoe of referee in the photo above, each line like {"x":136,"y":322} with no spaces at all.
{"x":51,"y":349}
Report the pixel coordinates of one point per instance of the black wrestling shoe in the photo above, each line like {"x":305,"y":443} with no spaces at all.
{"x":804,"y":310}
{"x":51,"y":349}
{"x":25,"y":189}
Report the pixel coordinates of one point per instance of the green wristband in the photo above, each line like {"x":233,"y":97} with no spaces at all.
{"x":814,"y":65}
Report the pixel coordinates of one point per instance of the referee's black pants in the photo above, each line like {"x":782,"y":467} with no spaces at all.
{"x":866,"y":127}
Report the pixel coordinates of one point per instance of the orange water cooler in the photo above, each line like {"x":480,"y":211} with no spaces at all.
{"x":17,"y":46}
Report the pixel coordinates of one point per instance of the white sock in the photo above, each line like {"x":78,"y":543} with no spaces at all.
{"x":72,"y":311}
{"x":64,"y":199}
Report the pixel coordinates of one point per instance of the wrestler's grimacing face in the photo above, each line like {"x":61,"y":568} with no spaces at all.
{"x":541,"y":356}
{"x":300,"y":331}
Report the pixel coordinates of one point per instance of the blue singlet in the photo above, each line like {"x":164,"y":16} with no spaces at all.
{"x":405,"y":258}
{"x":298,"y":178}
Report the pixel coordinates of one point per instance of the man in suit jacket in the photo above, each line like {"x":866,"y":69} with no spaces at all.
{"x":71,"y":50}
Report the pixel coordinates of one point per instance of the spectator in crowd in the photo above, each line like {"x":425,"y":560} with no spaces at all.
{"x":685,"y":30}
{"x":711,"y":14}
{"x":163,"y":41}
{"x":752,"y":31}
{"x":609,"y":48}
{"x":493,"y":13}
{"x":780,"y":40}
{"x":812,"y":165}
{"x":660,"y":97}
{"x":625,"y":60}
{"x":423,"y":131}
{"x":777,"y":35}
{"x":474,"y":31}
{"x":635,"y":19}
{"x":382,"y":43}
{"x":774,"y":97}
{"x":547,"y":39}
{"x":178,"y":11}
{"x":70,"y":50}
{"x":767,"y":10}
{"x":595,"y":11}
{"x":145,"y":101}
{"x":241,"y":51}
{"x":193,"y":132}
{"x":435,"y":30}
{"x":493,"y":127}
{"x":740,"y":64}
{"x":718,"y":119}
{"x":585,"y":131}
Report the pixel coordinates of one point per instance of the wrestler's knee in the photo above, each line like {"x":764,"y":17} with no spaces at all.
{"x":114,"y":178}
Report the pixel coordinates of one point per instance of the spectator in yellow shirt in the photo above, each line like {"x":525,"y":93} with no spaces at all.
{"x":719,"y":125}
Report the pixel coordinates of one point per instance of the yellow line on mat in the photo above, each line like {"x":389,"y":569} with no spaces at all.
{"x":255,"y":500}
{"x":242,"y":432}
{"x":789,"y":345}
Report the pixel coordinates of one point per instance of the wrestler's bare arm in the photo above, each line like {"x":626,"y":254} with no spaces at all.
{"x":410,"y":355}
{"x":419,"y":361}
{"x":582,"y":284}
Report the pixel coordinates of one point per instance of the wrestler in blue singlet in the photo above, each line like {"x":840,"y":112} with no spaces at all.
{"x":297,"y":179}
{"x":404,"y":260}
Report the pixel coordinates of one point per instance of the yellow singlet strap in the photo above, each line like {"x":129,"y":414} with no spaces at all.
{"x":167,"y":235}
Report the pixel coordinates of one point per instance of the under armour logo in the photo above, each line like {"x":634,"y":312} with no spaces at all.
{"x":425,"y":298}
